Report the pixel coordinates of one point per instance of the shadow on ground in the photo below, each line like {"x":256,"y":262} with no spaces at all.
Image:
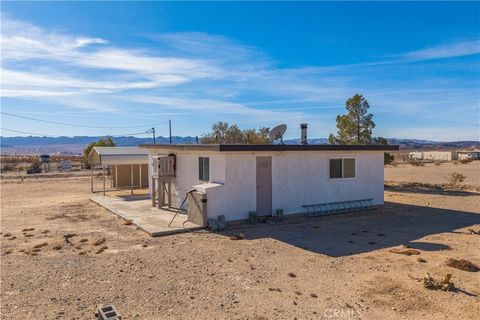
{"x":346,"y":234}
{"x":428,"y":189}
{"x":134,"y":197}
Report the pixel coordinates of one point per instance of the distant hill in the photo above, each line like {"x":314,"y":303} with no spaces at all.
{"x":427,"y":144}
{"x":75,"y":145}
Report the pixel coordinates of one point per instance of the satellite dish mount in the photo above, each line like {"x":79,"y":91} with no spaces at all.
{"x":278,"y":132}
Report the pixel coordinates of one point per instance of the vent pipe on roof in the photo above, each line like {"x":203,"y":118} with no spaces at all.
{"x":303,"y":128}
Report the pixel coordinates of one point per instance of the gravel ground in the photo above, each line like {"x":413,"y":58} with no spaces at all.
{"x":322,"y":268}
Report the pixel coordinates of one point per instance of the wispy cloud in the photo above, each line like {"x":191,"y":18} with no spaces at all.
{"x":197,"y":75}
{"x":452,"y":50}
{"x":22,"y":41}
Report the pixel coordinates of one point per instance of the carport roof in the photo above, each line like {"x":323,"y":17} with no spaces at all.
{"x":118,"y":155}
{"x":272,"y":147}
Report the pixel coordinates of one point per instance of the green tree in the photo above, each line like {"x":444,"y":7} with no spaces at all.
{"x":222,"y":132}
{"x":356,"y":126}
{"x":387,"y":157}
{"x":380,"y":141}
{"x":104,"y":142}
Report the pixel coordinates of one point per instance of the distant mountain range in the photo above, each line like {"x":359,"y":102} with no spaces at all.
{"x":75,"y":145}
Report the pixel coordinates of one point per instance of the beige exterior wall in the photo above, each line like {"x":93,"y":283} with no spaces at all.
{"x":122,"y":175}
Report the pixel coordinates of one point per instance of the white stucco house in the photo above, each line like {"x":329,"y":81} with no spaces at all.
{"x":238,"y":179}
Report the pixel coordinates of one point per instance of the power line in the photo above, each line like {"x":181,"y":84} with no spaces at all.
{"x":31,"y":133}
{"x":48,"y":135}
{"x":78,"y":125}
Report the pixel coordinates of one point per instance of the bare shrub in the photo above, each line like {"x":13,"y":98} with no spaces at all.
{"x":388,"y":158}
{"x":8,"y":168}
{"x":463,"y":264}
{"x":416,"y":163}
{"x":465,"y":161}
{"x":456,"y":178}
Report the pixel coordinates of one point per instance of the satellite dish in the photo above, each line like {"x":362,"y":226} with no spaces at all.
{"x":278,"y":132}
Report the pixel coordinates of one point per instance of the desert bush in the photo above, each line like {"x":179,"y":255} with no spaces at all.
{"x":465,"y":161}
{"x":463,"y":264}
{"x":8,"y":167}
{"x":456,"y":178}
{"x":388,"y":158}
{"x":416,"y":163}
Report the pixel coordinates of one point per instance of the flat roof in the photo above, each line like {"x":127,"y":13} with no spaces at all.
{"x":118,"y":155}
{"x":272,"y":147}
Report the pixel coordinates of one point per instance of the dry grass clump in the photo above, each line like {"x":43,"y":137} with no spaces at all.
{"x":99,"y":241}
{"x":445,"y":285}
{"x":238,"y":237}
{"x":101,"y":249}
{"x":67,"y":236}
{"x":463,"y":264}
{"x":407,"y":252}
{"x":416,"y":163}
{"x":465,"y":161}
{"x":43,"y":244}
{"x":455,"y":178}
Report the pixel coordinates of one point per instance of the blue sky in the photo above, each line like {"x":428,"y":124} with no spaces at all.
{"x":129,"y":65}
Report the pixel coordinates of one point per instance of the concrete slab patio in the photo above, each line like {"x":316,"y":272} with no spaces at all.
{"x":139,"y":210}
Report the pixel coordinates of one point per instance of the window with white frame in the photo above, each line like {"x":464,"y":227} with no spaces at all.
{"x":204,"y":169}
{"x":342,"y":168}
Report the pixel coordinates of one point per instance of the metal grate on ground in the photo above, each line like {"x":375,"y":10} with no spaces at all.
{"x":338,"y":207}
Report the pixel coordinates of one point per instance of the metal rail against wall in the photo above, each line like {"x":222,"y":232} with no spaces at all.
{"x":338,"y":207}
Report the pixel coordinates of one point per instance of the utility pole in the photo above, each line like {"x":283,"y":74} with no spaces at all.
{"x":170,"y":130}
{"x":152,"y":131}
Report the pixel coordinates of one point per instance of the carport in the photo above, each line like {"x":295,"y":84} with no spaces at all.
{"x":127,"y":167}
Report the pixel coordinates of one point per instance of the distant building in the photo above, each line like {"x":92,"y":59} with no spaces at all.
{"x":65,"y":165}
{"x":472,"y":153}
{"x":416,"y":155}
{"x":440,"y":155}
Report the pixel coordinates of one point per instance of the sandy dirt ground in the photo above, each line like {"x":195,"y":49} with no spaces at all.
{"x":334,"y":267}
{"x":434,"y":174}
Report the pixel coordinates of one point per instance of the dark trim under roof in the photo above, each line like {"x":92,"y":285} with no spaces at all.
{"x":272,"y":147}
